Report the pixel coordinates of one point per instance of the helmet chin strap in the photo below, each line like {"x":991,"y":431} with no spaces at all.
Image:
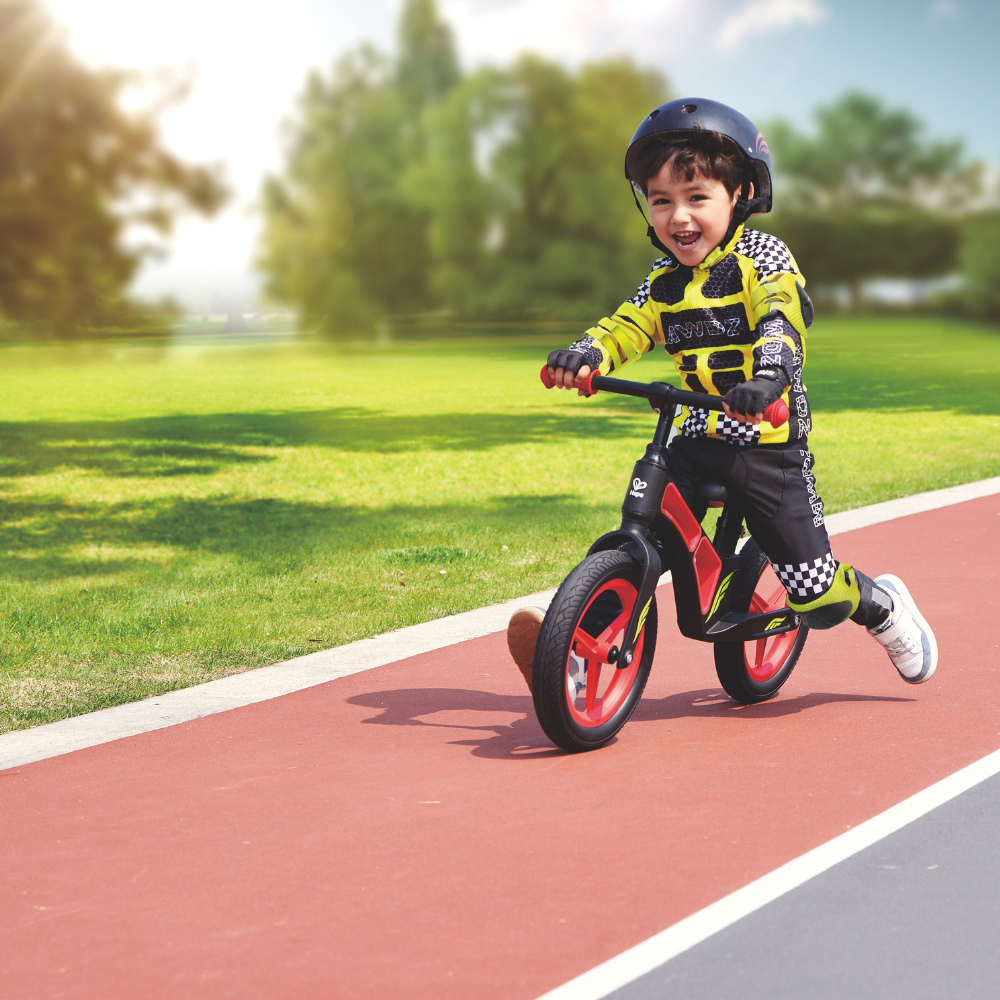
{"x":650,"y":231}
{"x":744,"y":204}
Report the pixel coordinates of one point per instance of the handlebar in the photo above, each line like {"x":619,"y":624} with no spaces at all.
{"x":776,"y":414}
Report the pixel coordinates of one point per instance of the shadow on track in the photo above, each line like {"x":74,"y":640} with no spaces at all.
{"x":523,"y":739}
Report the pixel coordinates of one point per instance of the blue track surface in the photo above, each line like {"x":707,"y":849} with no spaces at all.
{"x":916,"y":916}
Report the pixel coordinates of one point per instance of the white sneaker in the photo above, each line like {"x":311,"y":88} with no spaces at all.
{"x":905,"y":634}
{"x":522,"y":634}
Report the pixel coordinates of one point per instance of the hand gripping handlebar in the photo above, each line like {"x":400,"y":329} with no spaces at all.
{"x":776,"y":414}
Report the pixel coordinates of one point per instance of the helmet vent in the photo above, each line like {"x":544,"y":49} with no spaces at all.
{"x":689,"y":109}
{"x":653,"y":114}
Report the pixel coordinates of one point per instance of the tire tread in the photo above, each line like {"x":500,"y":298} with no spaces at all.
{"x":548,"y":678}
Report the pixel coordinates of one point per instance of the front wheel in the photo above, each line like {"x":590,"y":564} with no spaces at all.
{"x":754,"y":671}
{"x":581,"y":698}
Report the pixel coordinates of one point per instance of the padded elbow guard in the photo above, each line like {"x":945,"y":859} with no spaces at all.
{"x":840,"y":601}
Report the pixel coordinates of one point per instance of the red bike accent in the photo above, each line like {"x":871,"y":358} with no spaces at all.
{"x":599,"y":706}
{"x":707,"y":567}
{"x":674,"y":508}
{"x":777,"y":413}
{"x":585,"y":387}
{"x":765,"y":657}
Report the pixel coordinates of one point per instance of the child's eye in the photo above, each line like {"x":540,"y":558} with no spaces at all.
{"x":661,"y":201}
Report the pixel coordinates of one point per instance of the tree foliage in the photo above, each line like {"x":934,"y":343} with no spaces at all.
{"x":979,"y":257}
{"x":77,"y":173}
{"x":410,"y":187}
{"x":866,"y":195}
{"x":865,"y":154}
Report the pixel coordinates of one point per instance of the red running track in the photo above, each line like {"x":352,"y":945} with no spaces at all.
{"x":408,"y":831}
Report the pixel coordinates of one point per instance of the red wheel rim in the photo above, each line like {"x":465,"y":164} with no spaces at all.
{"x":592,"y":703}
{"x":765,"y":657}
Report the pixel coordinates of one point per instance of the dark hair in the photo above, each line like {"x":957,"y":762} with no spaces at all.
{"x":691,"y":154}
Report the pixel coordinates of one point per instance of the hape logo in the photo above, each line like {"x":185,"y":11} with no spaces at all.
{"x":762,"y":145}
{"x":637,"y":485}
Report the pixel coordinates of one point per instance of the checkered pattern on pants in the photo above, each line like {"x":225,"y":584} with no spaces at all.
{"x":807,"y":580}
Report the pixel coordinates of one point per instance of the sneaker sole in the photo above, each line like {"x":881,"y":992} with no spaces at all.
{"x":522,"y":637}
{"x":894,"y":584}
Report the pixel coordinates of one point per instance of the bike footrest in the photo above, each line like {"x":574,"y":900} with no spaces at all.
{"x":737,"y":627}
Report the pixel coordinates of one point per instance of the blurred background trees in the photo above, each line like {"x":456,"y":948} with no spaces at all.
{"x":411,"y":187}
{"x":979,"y":258}
{"x":79,"y":179}
{"x":868,"y":196}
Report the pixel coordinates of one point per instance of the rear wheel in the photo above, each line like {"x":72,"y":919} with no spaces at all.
{"x":582,"y":699}
{"x":754,"y":671}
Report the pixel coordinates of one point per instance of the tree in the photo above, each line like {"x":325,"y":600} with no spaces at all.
{"x":345,"y":240}
{"x":427,"y":68}
{"x":573,"y":241}
{"x":860,"y":198}
{"x":499,"y":194}
{"x":979,"y":256}
{"x":77,"y":173}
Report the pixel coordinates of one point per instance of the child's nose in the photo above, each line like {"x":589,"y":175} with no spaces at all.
{"x":681,"y":214}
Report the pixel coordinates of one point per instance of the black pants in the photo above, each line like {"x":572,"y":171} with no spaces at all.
{"x":776,"y":490}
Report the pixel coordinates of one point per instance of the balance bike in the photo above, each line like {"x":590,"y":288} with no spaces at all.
{"x":597,"y":640}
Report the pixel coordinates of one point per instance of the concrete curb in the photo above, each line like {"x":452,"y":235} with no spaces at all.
{"x":279,"y":679}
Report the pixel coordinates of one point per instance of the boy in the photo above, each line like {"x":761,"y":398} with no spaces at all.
{"x":729,"y":307}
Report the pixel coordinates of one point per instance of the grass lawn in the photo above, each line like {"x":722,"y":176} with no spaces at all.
{"x":174,"y":513}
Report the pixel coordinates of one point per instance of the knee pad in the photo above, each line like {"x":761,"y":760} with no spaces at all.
{"x":840,"y":601}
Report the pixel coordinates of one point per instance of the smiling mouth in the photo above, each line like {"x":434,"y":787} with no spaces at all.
{"x":686,"y":240}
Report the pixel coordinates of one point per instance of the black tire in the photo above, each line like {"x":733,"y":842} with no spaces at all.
{"x":593,"y":598}
{"x":732,"y":659}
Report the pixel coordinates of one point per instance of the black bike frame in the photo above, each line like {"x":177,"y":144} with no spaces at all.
{"x":659,"y":531}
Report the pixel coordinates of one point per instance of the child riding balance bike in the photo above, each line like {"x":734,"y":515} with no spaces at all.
{"x":729,"y":307}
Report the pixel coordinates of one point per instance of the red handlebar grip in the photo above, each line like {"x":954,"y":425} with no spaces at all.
{"x":777,"y":413}
{"x":584,"y":387}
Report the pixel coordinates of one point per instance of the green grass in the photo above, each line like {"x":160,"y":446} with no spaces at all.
{"x":176,"y":513}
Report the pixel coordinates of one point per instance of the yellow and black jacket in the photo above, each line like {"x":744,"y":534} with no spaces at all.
{"x":740,"y":310}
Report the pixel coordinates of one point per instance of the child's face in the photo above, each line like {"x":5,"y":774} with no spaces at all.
{"x":690,"y":217}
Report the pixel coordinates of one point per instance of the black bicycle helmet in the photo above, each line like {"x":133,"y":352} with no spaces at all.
{"x":692,"y":114}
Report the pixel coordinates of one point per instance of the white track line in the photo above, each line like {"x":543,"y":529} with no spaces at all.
{"x":279,"y":679}
{"x":653,"y":952}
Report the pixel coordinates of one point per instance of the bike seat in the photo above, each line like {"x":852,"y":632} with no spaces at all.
{"x":714,"y":493}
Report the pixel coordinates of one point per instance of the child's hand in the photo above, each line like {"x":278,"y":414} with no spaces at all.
{"x":743,"y":418}
{"x":754,"y":396}
{"x":565,"y":378}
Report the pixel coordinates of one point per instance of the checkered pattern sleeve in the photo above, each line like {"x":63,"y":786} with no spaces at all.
{"x":778,"y":345}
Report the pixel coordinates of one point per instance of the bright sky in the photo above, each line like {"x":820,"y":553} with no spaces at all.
{"x":766,"y":57}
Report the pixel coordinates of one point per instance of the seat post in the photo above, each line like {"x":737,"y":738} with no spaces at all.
{"x":728,"y":529}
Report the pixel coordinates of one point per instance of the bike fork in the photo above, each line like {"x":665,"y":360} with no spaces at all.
{"x":642,"y":504}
